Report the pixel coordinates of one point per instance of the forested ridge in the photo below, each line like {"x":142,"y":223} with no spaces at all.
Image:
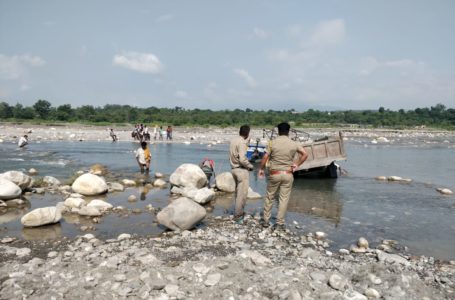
{"x":42,"y":111}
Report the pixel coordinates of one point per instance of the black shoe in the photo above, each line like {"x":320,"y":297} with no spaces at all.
{"x":279,"y":227}
{"x":265,"y":224}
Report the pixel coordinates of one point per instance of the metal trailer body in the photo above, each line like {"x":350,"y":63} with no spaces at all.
{"x":322,"y":153}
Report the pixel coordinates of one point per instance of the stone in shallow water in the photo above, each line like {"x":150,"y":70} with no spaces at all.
{"x":100,"y":204}
{"x":188,"y":175}
{"x":320,"y":235}
{"x":444,"y":191}
{"x":129,"y":182}
{"x":49,"y":180}
{"x":22,"y":180}
{"x":362,"y":243}
{"x":89,"y":185}
{"x":225,"y":182}
{"x":41,"y":216}
{"x":75,"y":202}
{"x":160,"y":183}
{"x":9,"y":190}
{"x":90,"y":211}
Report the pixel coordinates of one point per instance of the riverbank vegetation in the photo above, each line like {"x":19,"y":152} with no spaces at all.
{"x":42,"y":111}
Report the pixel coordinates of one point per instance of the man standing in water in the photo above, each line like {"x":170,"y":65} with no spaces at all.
{"x":240,"y":167}
{"x":280,"y":155}
{"x":143,"y":157}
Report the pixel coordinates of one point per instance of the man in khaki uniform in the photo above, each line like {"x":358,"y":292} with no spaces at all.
{"x":280,"y":154}
{"x":240,"y":167}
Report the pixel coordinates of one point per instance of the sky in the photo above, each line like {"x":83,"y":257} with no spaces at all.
{"x":209,"y":54}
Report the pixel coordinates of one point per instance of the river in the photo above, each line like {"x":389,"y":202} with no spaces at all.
{"x":349,"y":207}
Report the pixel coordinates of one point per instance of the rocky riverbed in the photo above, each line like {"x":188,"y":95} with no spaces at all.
{"x":218,"y":260}
{"x":223,"y":260}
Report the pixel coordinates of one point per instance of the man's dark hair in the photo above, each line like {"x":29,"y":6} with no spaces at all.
{"x":244,"y":130}
{"x":144,"y":145}
{"x":283,"y":128}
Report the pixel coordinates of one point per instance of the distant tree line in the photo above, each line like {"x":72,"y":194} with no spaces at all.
{"x":43,"y":111}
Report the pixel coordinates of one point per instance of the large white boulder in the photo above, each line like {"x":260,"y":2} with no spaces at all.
{"x":8,"y":189}
{"x":41,"y":216}
{"x":89,"y":185}
{"x":189,"y":175}
{"x":225,"y":182}
{"x":182,"y":214}
{"x":201,"y":196}
{"x":20,"y":179}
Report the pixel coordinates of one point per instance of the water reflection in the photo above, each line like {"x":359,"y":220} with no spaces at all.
{"x":12,"y":214}
{"x":317,"y":197}
{"x":47,"y":232}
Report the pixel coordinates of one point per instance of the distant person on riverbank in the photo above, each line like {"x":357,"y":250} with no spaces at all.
{"x":23,"y":141}
{"x":113,"y":135}
{"x":280,"y":155}
{"x":146,"y":133}
{"x":239,"y":169}
{"x":143,"y":157}
{"x":155,"y":132}
{"x":169,"y":133}
{"x":162,"y":132}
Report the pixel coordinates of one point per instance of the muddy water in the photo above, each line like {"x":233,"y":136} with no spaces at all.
{"x":351,"y":206}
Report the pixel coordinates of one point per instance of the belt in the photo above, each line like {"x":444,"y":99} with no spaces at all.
{"x":276,"y":172}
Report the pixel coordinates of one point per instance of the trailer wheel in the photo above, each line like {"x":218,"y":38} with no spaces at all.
{"x":332,"y":170}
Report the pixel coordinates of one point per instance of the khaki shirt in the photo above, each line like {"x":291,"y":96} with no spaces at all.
{"x":281,"y":152}
{"x":237,"y":153}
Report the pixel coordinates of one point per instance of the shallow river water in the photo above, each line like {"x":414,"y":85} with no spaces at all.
{"x":353,"y":205}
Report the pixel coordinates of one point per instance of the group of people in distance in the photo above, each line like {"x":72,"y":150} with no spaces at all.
{"x":279,"y":156}
{"x":141,"y":133}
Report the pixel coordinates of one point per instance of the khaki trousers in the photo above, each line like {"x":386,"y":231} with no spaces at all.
{"x":242,"y":182}
{"x":283,"y":182}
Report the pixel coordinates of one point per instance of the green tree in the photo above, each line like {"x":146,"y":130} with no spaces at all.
{"x":42,"y":108}
{"x":6,"y":111}
{"x":64,"y":112}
